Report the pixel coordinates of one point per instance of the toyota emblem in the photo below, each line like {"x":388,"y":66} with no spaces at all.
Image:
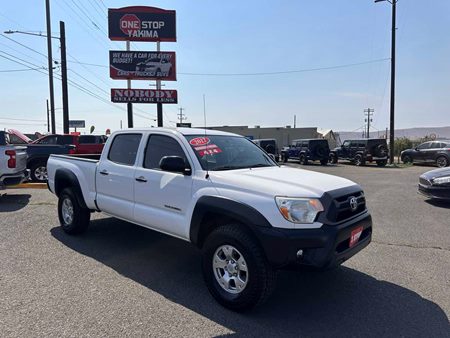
{"x":353,"y":203}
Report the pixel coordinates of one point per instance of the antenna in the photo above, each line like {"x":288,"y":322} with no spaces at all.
{"x":204,"y":120}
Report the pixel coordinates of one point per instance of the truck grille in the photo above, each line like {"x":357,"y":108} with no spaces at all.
{"x":345,"y":207}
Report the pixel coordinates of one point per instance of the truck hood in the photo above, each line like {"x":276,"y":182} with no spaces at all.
{"x":279,"y":181}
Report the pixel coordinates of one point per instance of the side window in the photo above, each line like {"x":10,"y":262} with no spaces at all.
{"x":124,"y":148}
{"x":436,"y":145}
{"x":65,"y":139}
{"x":362,"y":145}
{"x":88,"y":139}
{"x":49,"y":140}
{"x":159,"y":146}
{"x":423,"y":146}
{"x":346,"y":144}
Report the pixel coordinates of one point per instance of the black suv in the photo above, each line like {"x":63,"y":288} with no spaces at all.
{"x":437,"y":152}
{"x":361,"y":151}
{"x":270,"y":146}
{"x":307,"y":150}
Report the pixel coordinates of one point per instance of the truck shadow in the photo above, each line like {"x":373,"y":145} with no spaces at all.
{"x":13,"y":202}
{"x":339,"y":302}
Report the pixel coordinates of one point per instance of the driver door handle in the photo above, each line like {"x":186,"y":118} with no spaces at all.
{"x":141,"y":179}
{"x":104,"y":172}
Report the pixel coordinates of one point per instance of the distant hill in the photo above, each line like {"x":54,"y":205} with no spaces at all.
{"x":412,"y":133}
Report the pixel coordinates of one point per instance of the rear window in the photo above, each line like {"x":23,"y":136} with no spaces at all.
{"x":65,"y":139}
{"x":124,"y":148}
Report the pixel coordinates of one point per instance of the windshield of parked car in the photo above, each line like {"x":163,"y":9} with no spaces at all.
{"x":221,"y":152}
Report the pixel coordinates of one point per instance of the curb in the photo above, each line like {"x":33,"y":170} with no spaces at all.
{"x":29,"y":186}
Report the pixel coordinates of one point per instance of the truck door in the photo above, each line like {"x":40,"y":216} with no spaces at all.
{"x":115,"y":176}
{"x":162,"y":198}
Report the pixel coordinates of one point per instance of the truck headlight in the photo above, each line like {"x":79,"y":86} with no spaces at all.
{"x":299,"y":210}
{"x":441,"y":180}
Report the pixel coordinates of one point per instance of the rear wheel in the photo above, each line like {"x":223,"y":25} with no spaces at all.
{"x":333,"y":158}
{"x":359,"y":161}
{"x":442,"y":161}
{"x":38,"y":172}
{"x":74,"y":219}
{"x":235,"y":269}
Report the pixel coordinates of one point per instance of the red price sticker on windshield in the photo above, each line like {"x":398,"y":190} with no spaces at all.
{"x":208,"y":150}
{"x":199,"y":141}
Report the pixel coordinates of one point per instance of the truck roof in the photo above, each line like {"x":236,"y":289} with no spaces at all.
{"x":183,"y":131}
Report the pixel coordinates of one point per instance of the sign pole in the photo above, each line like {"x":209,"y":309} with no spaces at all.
{"x":159,"y":106}
{"x":129,"y":104}
{"x":65,"y":90}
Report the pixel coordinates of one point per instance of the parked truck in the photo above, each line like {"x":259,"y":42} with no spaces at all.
{"x":13,"y":162}
{"x":225,"y":195}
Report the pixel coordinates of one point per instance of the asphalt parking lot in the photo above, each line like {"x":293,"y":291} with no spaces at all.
{"x":119,"y":279}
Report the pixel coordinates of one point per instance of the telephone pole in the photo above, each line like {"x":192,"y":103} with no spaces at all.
{"x":48,"y":118}
{"x":65,"y":90}
{"x":368,"y":113}
{"x":295,"y":121}
{"x":182,"y":117}
{"x":50,"y":65}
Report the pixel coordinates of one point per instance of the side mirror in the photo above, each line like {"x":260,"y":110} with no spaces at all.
{"x":272,"y":156}
{"x":174,"y":164}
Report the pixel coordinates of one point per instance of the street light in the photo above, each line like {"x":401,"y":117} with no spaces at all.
{"x":65,"y":94}
{"x":392,"y":113}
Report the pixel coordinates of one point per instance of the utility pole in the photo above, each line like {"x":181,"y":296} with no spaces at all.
{"x":181,"y":116}
{"x":295,"y":120}
{"x":48,"y":118}
{"x":129,"y":104}
{"x":368,"y":113}
{"x":50,"y":65}
{"x":392,"y":108}
{"x":65,"y":90}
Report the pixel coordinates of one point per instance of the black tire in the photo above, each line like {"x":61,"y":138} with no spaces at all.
{"x":333,"y":159}
{"x":442,"y":161}
{"x":382,"y":163}
{"x":80,"y":216}
{"x":302,"y":159}
{"x":323,"y":162}
{"x":261,"y":276}
{"x":407,"y":159}
{"x":38,"y":171}
{"x":359,"y":160}
{"x":285,"y":158}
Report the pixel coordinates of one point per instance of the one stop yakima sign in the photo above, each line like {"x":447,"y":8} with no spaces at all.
{"x":141,"y":23}
{"x":144,"y":95}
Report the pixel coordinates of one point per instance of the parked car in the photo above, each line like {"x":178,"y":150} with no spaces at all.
{"x":435,"y":184}
{"x":156,"y":66}
{"x":16,"y":137}
{"x":270,"y":146}
{"x":223,"y":194}
{"x":361,"y":151}
{"x":307,"y":150}
{"x":437,"y":152}
{"x":13,"y":162}
{"x":40,"y":150}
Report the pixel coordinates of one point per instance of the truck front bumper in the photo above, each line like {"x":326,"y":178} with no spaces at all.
{"x":326,"y":247}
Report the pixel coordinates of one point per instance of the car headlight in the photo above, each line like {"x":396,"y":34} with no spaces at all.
{"x":299,"y":210}
{"x":441,"y":180}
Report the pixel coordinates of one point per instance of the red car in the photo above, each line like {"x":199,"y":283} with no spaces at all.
{"x":84,"y":144}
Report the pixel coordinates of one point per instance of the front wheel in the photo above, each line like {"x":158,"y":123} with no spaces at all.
{"x":359,"y":161}
{"x":235,"y":269}
{"x":74,"y":219}
{"x":407,"y":159}
{"x":303,"y":160}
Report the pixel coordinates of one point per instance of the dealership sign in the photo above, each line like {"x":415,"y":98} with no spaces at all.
{"x":142,"y":65}
{"x":144,"y":95}
{"x":77,"y":124}
{"x":140,"y":23}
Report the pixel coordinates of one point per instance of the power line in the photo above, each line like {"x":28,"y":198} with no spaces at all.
{"x":17,"y":70}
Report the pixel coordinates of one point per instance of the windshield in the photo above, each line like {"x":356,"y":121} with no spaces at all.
{"x":220,"y":152}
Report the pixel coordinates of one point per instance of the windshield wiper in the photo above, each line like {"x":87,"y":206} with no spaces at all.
{"x":260,"y":165}
{"x":227,"y":167}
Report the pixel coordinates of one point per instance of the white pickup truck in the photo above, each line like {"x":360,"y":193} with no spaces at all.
{"x":13,"y":162}
{"x":224,"y":194}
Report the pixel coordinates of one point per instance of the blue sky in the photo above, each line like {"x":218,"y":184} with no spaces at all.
{"x":245,"y":37}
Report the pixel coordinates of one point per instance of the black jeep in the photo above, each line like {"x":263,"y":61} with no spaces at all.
{"x":307,"y":150}
{"x":361,"y":151}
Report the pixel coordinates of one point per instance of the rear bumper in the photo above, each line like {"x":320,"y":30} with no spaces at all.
{"x":321,"y":248}
{"x":13,"y":179}
{"x":442,"y":193}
